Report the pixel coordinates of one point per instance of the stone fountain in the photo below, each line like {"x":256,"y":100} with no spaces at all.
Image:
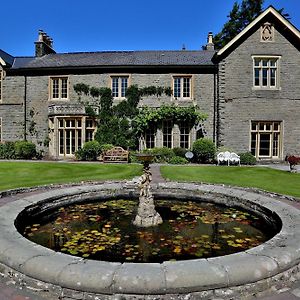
{"x":146,"y":216}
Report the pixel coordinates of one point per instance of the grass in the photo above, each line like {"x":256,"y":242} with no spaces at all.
{"x":281,"y":182}
{"x":28,"y":174}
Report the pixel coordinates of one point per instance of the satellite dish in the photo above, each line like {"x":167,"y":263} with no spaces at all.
{"x":189,"y":155}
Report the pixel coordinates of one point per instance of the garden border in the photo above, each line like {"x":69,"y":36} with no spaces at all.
{"x":257,"y":270}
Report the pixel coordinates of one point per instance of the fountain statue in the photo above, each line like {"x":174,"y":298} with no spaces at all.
{"x":146,"y":214}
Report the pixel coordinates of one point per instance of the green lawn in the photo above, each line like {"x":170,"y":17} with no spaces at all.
{"x":28,"y":174}
{"x":267,"y":179}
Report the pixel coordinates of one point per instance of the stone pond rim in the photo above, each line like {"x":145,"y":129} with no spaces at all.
{"x":254,"y":270}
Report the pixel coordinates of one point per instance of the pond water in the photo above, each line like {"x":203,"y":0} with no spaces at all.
{"x":104,"y":231}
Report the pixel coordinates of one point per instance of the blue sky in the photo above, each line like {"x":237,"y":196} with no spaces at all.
{"x":97,"y":25}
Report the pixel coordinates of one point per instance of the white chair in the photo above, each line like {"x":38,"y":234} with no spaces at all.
{"x":228,"y":157}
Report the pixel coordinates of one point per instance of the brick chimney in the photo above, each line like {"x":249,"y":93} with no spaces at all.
{"x":210,"y":44}
{"x":43,"y":45}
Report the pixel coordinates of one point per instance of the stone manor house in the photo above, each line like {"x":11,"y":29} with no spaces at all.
{"x":249,"y":89}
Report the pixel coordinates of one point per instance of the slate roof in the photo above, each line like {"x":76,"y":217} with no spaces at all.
{"x":6,"y":57}
{"x":116,"y":59}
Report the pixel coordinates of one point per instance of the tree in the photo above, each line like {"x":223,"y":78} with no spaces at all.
{"x":239,"y":17}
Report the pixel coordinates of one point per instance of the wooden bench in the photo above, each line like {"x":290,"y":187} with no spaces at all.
{"x":228,"y":157}
{"x":116,"y":154}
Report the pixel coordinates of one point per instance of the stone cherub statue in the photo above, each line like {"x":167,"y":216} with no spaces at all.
{"x":147,"y":215}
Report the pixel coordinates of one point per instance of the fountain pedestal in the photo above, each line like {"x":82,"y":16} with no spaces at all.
{"x":146,"y":214}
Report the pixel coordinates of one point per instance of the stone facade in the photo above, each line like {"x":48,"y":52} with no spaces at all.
{"x":240,"y":103}
{"x":241,"y":115}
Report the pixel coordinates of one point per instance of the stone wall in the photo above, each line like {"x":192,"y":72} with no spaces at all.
{"x":240,"y":103}
{"x":37,"y":100}
{"x":12,"y":108}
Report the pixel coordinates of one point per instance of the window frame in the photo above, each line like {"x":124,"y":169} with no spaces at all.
{"x":185,"y":135}
{"x":167,"y":129}
{"x":150,"y":137}
{"x":268,"y":68}
{"x":90,"y":129}
{"x":119,"y":77}
{"x":60,"y":88}
{"x":68,"y":130}
{"x":182,"y":85}
{"x":264,"y":128}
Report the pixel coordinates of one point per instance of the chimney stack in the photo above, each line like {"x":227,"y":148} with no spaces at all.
{"x":44,"y":44}
{"x":210,"y":44}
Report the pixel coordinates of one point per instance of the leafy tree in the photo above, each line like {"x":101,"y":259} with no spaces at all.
{"x":239,"y":17}
{"x":283,"y":13}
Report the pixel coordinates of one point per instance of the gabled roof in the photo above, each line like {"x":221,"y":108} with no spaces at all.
{"x":269,"y":11}
{"x":116,"y":59}
{"x":6,"y":59}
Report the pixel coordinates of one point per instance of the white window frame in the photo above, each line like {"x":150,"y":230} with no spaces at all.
{"x":59,"y":93}
{"x":181,"y":79}
{"x":120,"y":92}
{"x":261,"y":68}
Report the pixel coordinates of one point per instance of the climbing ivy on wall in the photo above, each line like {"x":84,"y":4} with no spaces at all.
{"x":123,"y":123}
{"x":154,"y":116}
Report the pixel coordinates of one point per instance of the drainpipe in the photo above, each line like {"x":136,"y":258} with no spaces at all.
{"x":25,"y":107}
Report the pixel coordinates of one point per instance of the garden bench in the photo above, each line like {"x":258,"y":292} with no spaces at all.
{"x":228,"y":157}
{"x":116,"y":154}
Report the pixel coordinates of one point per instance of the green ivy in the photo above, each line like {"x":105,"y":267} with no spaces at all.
{"x":81,"y":88}
{"x":154,"y":116}
{"x":122,"y":124}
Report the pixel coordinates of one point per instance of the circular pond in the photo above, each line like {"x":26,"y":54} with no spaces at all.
{"x":104,"y":231}
{"x":274,"y":264}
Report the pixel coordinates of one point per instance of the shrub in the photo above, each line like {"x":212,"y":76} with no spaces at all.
{"x":178,"y":160}
{"x":162,"y":155}
{"x":25,"y":149}
{"x":204,"y":149}
{"x":132,"y":157}
{"x":105,"y":147}
{"x":178,"y":151}
{"x":247,"y":158}
{"x":89,"y":151}
{"x":7,"y":150}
